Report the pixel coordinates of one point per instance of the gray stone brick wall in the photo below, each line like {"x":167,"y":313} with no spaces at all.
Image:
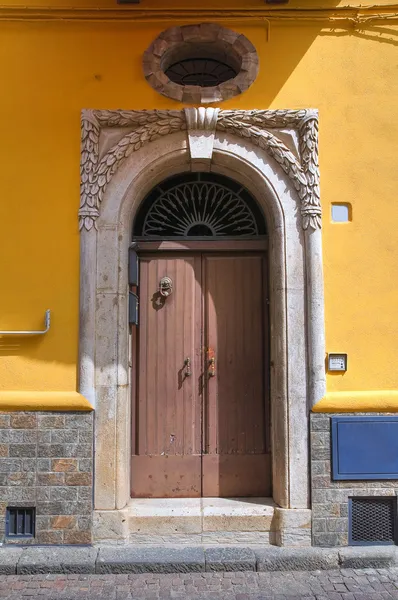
{"x":46,"y":462}
{"x":330,"y":498}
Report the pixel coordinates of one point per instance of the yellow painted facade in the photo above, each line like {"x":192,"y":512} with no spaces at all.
{"x":52,"y":69}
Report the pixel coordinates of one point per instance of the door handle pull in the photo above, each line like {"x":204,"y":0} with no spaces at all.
{"x":188,"y":371}
{"x":212,"y":367}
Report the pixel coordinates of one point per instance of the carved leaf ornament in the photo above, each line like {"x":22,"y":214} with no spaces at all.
{"x":254,"y":125}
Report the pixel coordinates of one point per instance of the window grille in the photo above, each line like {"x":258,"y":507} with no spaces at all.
{"x":205,"y":72}
{"x":20,"y":522}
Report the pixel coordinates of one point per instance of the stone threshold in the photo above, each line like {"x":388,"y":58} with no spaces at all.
{"x":203,"y":521}
{"x":178,"y":516}
{"x":171,"y":559}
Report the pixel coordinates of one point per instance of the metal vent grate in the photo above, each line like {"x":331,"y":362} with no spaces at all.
{"x":372,"y":520}
{"x":20,"y":522}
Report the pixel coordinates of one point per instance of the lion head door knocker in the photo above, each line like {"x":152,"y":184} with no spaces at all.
{"x":165,"y":286}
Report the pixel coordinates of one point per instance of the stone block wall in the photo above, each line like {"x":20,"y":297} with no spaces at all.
{"x":330,"y":498}
{"x":46,"y":462}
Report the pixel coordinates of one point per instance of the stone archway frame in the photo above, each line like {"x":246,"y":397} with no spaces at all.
{"x":273,"y":153}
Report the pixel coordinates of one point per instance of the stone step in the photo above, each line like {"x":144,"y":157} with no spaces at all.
{"x":196,"y":521}
{"x":201,"y":520}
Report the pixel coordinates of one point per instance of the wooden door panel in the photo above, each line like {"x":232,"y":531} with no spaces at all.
{"x":235,"y":426}
{"x":166,"y":459}
{"x":175,"y":454}
{"x":233,"y":475}
{"x":168,"y":476}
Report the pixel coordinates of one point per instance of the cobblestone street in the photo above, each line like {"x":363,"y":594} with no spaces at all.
{"x":345,"y":584}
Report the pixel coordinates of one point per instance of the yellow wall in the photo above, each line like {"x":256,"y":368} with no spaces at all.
{"x":50,"y":71}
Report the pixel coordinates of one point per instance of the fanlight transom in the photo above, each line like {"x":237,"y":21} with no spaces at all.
{"x":199,"y":205}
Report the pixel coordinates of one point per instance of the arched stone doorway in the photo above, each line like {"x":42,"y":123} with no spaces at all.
{"x":274,"y":155}
{"x":200,"y":418}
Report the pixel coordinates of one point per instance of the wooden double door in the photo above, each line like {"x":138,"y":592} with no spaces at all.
{"x":201,"y":410}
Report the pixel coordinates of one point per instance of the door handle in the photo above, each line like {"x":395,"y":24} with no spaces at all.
{"x":212,"y":367}
{"x":187,"y":363}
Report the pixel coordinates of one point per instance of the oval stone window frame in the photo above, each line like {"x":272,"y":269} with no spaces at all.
{"x":190,"y":41}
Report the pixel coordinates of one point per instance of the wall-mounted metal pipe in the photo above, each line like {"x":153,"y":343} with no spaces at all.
{"x":47,"y":324}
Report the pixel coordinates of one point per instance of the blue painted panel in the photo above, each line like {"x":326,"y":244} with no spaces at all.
{"x":365,"y":447}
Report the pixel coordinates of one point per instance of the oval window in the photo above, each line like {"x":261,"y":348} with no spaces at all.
{"x":200,"y":63}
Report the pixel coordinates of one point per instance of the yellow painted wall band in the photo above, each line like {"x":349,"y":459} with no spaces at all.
{"x":373,"y":401}
{"x":45,"y":401}
{"x":333,"y":402}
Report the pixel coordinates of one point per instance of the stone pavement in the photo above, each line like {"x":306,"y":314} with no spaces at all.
{"x":343,"y":584}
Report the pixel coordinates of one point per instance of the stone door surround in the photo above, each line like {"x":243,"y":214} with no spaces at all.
{"x":275,"y":155}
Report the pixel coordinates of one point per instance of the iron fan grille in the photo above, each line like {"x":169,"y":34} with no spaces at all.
{"x":199,"y":205}
{"x":372,"y":520}
{"x":205,"y":72}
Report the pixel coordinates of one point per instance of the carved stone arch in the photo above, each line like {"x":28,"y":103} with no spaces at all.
{"x":98,"y":168}
{"x":260,"y":162}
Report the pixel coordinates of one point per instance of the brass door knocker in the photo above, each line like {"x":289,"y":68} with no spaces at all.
{"x":165,"y":286}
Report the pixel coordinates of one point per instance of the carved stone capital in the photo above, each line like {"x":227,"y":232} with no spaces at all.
{"x":201,"y":125}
